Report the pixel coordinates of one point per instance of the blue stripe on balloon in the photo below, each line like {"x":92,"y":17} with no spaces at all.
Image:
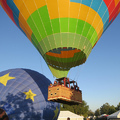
{"x":95,"y":4}
{"x":106,"y":20}
{"x":87,"y":2}
{"x":15,"y":13}
{"x":103,"y":12}
{"x":107,"y":24}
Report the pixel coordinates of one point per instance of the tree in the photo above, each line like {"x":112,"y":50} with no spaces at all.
{"x":107,"y":109}
{"x":97,"y":112}
{"x":104,"y":109}
{"x":81,"y":109}
{"x":118,"y":106}
{"x":112,"y":110}
{"x":90,"y":113}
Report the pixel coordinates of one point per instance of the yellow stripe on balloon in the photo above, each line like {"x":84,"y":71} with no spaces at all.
{"x":92,"y":17}
{"x":60,"y":9}
{"x":74,"y":9}
{"x":24,"y":26}
{"x":53,"y":9}
{"x":63,"y":8}
{"x":116,"y":2}
{"x":27,"y":7}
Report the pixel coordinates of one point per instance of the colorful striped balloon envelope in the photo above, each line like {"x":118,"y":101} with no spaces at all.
{"x":63,"y":31}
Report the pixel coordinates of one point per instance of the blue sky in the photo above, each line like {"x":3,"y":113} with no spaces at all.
{"x":98,"y":78}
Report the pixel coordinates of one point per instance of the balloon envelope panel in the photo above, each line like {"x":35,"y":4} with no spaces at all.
{"x":63,"y":31}
{"x":23,"y":95}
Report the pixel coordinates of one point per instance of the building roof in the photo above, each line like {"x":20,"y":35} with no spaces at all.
{"x":66,"y":114}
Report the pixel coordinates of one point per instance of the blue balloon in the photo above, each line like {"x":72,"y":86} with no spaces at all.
{"x":23,"y":96}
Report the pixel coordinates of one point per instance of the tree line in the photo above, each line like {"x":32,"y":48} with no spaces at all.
{"x":107,"y":109}
{"x":83,"y":109}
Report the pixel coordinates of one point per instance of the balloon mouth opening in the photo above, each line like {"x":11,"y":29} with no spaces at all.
{"x":64,"y":58}
{"x":3,"y":115}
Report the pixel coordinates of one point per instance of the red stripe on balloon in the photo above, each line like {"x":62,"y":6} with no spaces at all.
{"x":111,"y":6}
{"x":116,"y":11}
{"x":7,"y":9}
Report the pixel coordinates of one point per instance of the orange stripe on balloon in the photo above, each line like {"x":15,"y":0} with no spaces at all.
{"x":116,"y":11}
{"x":25,"y":27}
{"x":64,"y":54}
{"x":116,"y":2}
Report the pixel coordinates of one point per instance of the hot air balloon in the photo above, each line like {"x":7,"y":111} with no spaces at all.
{"x":23,"y":96}
{"x":63,"y":31}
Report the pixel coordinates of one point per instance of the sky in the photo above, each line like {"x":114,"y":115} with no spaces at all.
{"x":98,"y":78}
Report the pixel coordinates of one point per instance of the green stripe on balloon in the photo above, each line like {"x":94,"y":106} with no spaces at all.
{"x":36,"y":26}
{"x":34,"y":40}
{"x":56,"y":25}
{"x":80,"y":26}
{"x":72,"y":25}
{"x":45,"y":19}
{"x":92,"y":36}
{"x":64,"y":24}
{"x":40,"y":24}
{"x":86,"y":30}
{"x":65,"y":40}
{"x":59,"y":73}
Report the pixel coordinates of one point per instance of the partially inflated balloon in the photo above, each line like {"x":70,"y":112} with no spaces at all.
{"x":63,"y":31}
{"x":23,"y":96}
